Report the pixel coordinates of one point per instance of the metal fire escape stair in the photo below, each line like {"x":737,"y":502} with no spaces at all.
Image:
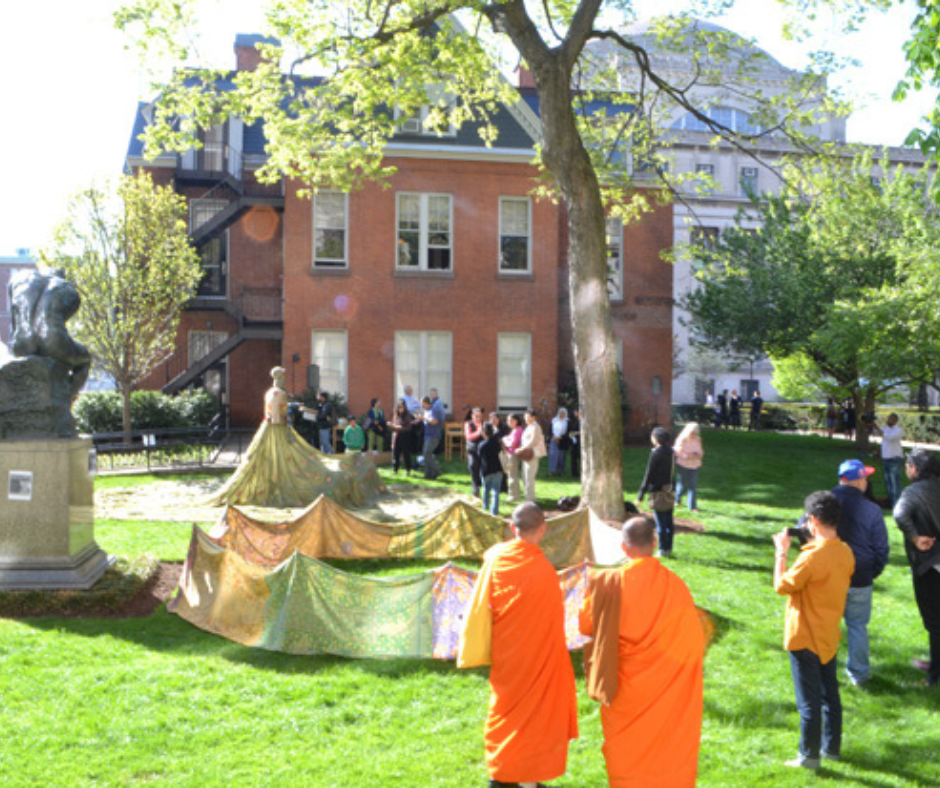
{"x":232,"y":213}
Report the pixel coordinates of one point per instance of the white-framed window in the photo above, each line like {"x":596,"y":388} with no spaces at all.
{"x":706,"y":169}
{"x":515,"y":235}
{"x":424,"y":360}
{"x":425,"y":232}
{"x":615,"y":259}
{"x":201,"y":211}
{"x":748,"y":181}
{"x":330,"y":352}
{"x":330,"y":230}
{"x":202,"y":343}
{"x":514,"y":365}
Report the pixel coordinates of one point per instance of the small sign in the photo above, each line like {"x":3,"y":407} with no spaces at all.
{"x":21,"y":486}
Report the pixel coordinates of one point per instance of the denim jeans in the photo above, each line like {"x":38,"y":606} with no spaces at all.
{"x":894,"y":474}
{"x":431,"y":470}
{"x":326,"y":440}
{"x":857,"y":616}
{"x":818,"y":702}
{"x":664,"y":529}
{"x":688,"y":481}
{"x":491,"y":485}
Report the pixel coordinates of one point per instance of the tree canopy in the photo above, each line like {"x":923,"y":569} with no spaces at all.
{"x":607,"y":97}
{"x":838,"y":283}
{"x":127,"y":251}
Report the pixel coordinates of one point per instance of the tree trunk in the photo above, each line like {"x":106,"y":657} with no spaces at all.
{"x":126,"y":389}
{"x":595,"y":355}
{"x":864,"y":404}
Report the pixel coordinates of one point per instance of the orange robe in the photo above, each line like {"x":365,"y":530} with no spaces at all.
{"x":653,"y":725}
{"x":533,"y":707}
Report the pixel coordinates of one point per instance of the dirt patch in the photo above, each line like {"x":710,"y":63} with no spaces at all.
{"x":157,"y":591}
{"x":120,"y":594}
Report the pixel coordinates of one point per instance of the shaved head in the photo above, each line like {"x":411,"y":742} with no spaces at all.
{"x":639,"y":534}
{"x":527,"y":517}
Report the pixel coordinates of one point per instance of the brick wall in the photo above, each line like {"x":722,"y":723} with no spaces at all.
{"x":371,"y":301}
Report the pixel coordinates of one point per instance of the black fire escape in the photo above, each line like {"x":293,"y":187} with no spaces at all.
{"x":257,"y":312}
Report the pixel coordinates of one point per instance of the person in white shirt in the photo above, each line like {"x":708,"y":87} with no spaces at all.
{"x":892,"y":456}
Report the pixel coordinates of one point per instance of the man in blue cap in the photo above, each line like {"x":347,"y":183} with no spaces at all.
{"x":862,"y":527}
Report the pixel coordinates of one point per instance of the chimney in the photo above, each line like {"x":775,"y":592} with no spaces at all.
{"x":524,"y":78}
{"x":247,"y":56}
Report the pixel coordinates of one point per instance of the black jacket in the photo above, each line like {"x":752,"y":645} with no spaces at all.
{"x":917,"y":513}
{"x":658,"y":470}
{"x":489,"y":456}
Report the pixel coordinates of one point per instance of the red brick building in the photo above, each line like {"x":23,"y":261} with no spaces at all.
{"x":453,"y":278}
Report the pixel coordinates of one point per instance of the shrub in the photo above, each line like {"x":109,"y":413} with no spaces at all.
{"x":101,"y":411}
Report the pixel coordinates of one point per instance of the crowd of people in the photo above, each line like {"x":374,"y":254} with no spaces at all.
{"x":640,"y":612}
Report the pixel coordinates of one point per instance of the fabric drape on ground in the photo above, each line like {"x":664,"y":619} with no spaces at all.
{"x":304,"y":606}
{"x":533,"y":708}
{"x":326,"y":530}
{"x":281,"y":469}
{"x":653,"y":726}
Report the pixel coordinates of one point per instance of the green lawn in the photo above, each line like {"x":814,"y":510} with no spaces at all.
{"x":105,"y":702}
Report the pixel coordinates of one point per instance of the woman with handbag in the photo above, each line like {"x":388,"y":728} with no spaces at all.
{"x":558,"y":448}
{"x":530,"y":451}
{"x":658,"y":483}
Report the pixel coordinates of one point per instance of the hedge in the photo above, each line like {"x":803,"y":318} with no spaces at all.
{"x":102,"y":411}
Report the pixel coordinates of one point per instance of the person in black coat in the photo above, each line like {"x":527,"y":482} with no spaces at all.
{"x":491,"y":468}
{"x":659,"y":479}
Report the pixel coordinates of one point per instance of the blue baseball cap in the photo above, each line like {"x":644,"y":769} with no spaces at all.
{"x":851,"y":470}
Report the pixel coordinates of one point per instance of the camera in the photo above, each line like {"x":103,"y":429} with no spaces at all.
{"x":800,"y":533}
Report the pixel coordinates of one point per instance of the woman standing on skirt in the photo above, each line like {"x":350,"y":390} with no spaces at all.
{"x":530,"y":451}
{"x":558,"y":448}
{"x":473,"y":433}
{"x":658,"y":483}
{"x":689,"y":455}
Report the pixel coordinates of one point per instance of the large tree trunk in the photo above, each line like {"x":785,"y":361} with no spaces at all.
{"x":595,"y":355}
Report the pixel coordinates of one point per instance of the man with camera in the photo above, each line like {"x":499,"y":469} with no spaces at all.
{"x":816,"y":588}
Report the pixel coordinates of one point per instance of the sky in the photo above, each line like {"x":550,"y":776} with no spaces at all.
{"x":70,"y":88}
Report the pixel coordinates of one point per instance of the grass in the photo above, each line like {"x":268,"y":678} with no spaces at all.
{"x":154,"y":700}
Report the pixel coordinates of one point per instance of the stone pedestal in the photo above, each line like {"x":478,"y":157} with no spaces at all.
{"x":47,"y":497}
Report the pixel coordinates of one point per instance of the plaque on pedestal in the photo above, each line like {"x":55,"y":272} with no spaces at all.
{"x":47,"y":536}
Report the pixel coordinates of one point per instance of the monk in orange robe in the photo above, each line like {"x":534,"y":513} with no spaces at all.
{"x":645,"y":665}
{"x":533,"y":708}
